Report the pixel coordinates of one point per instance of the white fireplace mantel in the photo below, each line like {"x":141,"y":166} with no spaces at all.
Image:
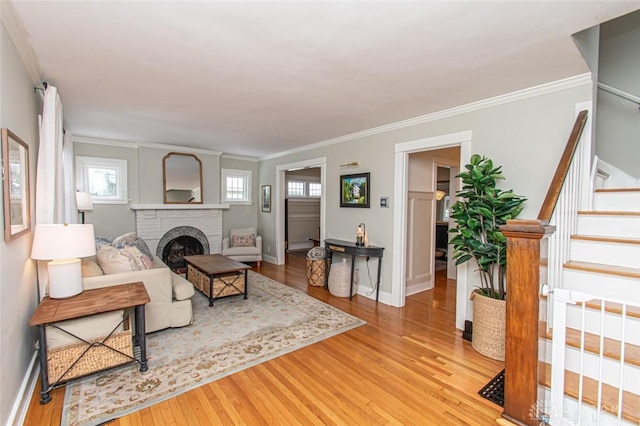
{"x":178,"y":206}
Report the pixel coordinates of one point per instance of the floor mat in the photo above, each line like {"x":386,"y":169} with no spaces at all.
{"x":494,"y":390}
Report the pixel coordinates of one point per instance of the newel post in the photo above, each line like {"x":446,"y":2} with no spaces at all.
{"x":526,"y":241}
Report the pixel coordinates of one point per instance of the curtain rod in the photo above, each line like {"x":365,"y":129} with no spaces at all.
{"x":45,"y":84}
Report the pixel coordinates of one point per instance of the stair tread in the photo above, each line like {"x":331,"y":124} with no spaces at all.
{"x":629,"y":189}
{"x":592,"y":344}
{"x":623,"y":271}
{"x":610,"y":307}
{"x":609,"y":403}
{"x":607,"y":213}
{"x":599,"y":238}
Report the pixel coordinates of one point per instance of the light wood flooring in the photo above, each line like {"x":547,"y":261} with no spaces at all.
{"x":405,"y":366}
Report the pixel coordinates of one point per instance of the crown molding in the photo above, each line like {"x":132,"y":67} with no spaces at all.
{"x":239,"y":158}
{"x":531,"y":92}
{"x":137,"y":145}
{"x":18,"y":35}
{"x":178,"y":148}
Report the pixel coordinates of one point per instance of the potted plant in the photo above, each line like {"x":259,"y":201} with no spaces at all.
{"x":479,"y":212}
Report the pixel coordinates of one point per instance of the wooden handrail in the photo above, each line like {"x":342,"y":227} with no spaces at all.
{"x":553,"y":193}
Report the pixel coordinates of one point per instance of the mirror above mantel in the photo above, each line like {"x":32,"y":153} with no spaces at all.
{"x":182,"y":178}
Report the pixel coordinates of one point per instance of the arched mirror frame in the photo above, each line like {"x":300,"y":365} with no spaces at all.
{"x":164,"y":178}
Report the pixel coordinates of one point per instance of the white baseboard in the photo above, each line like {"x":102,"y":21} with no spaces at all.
{"x":417,"y":288}
{"x":23,"y":398}
{"x":299,"y":245}
{"x":269,"y":259}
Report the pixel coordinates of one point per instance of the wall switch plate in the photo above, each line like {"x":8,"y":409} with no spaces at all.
{"x":384,"y":201}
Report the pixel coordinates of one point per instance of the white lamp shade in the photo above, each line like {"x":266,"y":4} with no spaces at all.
{"x":84,"y":201}
{"x":63,"y":241}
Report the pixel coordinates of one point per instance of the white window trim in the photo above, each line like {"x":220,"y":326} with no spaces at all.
{"x":82,"y":180}
{"x":246,"y":175}
{"x":306,"y":182}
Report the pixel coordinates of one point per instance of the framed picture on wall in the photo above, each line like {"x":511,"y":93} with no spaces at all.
{"x":266,"y":198}
{"x":354,"y":190}
{"x":15,"y":164}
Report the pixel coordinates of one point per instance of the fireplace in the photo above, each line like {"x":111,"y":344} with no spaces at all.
{"x":174,"y":252}
{"x":179,"y":242}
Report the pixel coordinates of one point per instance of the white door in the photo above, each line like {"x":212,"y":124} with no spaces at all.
{"x":420,"y":260}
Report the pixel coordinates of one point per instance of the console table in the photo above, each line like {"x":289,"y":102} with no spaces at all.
{"x":350,"y":248}
{"x":89,"y":302}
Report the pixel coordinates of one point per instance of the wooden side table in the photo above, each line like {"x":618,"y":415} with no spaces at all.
{"x":89,"y":302}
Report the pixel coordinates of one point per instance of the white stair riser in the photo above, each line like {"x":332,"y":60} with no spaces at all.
{"x":588,"y":414}
{"x":609,"y":226}
{"x":591,"y":368}
{"x":602,"y":285}
{"x":608,"y":253}
{"x":612,"y":324}
{"x":617,"y":201}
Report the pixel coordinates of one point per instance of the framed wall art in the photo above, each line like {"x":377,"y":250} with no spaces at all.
{"x":15,"y":162}
{"x":354,"y":190}
{"x":266,"y":198}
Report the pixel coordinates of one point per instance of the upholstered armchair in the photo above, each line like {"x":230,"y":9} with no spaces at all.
{"x":243,"y":245}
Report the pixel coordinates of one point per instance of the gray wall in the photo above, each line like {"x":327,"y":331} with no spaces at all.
{"x":239,"y":215}
{"x":19,"y":109}
{"x":144,"y":185}
{"x":525,"y":136}
{"x":618,"y":120}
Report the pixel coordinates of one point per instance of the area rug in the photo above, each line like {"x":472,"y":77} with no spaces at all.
{"x":233,"y":335}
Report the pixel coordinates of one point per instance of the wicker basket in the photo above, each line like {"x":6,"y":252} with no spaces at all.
{"x":488,"y":325}
{"x":97,"y":358}
{"x":316,"y":270}
{"x":339,"y":281}
{"x":221,"y":287}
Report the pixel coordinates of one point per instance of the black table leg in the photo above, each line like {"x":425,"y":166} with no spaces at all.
{"x":44,"y":369}
{"x":211,"y":290}
{"x":326,"y":270}
{"x":141,"y":337}
{"x":353,"y":267}
{"x":378,"y":283}
{"x":246,"y":283}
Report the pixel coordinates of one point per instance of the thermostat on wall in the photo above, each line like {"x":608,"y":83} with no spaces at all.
{"x":384,"y":201}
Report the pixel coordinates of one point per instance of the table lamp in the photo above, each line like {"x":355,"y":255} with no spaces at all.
{"x":84,"y":203}
{"x":63,"y":244}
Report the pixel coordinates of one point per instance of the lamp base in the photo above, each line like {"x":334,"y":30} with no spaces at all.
{"x":65,"y":278}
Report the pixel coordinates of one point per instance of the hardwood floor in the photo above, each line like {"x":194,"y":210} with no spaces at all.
{"x":405,"y":366}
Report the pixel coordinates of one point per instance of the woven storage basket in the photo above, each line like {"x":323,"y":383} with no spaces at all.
{"x":220,"y":287}
{"x":97,"y":358}
{"x":316,"y":270}
{"x":488,"y":325}
{"x":339,"y":279}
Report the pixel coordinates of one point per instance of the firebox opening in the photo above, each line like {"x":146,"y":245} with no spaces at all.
{"x":175,"y":250}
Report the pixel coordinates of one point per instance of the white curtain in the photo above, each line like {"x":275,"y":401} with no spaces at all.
{"x":55,"y":183}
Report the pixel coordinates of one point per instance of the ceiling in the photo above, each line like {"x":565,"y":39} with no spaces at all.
{"x":259,"y":78}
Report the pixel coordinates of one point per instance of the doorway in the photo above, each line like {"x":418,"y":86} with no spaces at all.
{"x":280,"y":197}
{"x":461,"y":140}
{"x":302,"y":210}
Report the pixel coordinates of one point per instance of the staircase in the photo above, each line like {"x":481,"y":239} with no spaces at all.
{"x":597,"y":372}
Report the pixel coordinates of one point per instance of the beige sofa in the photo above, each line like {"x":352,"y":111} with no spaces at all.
{"x":170,"y":294}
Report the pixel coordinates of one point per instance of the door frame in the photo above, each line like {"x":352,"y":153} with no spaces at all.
{"x":401,"y":162}
{"x":280,"y":194}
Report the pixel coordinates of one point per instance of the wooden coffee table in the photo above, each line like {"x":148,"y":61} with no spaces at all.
{"x":217,"y":276}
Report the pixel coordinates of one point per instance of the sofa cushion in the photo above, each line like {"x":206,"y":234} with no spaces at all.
{"x":241,"y":251}
{"x":112,"y":260}
{"x":248,"y":240}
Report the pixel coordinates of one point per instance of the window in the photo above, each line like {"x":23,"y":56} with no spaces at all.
{"x":236,"y":186}
{"x":315,"y":189}
{"x":104,"y":178}
{"x":295,"y":188}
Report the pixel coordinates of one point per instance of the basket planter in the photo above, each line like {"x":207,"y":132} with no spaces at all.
{"x":488,"y":325}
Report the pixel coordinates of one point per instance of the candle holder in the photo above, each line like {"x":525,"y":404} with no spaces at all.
{"x":360,"y":235}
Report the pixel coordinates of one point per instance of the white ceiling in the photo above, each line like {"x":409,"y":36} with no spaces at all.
{"x":257,"y":78}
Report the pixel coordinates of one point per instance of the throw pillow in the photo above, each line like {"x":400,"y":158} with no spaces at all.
{"x":141,"y":245}
{"x":124,"y":239}
{"x":90,"y":269}
{"x":243,"y":240}
{"x":113,"y":261}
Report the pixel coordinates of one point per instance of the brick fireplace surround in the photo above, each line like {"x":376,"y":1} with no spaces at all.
{"x":154,"y":220}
